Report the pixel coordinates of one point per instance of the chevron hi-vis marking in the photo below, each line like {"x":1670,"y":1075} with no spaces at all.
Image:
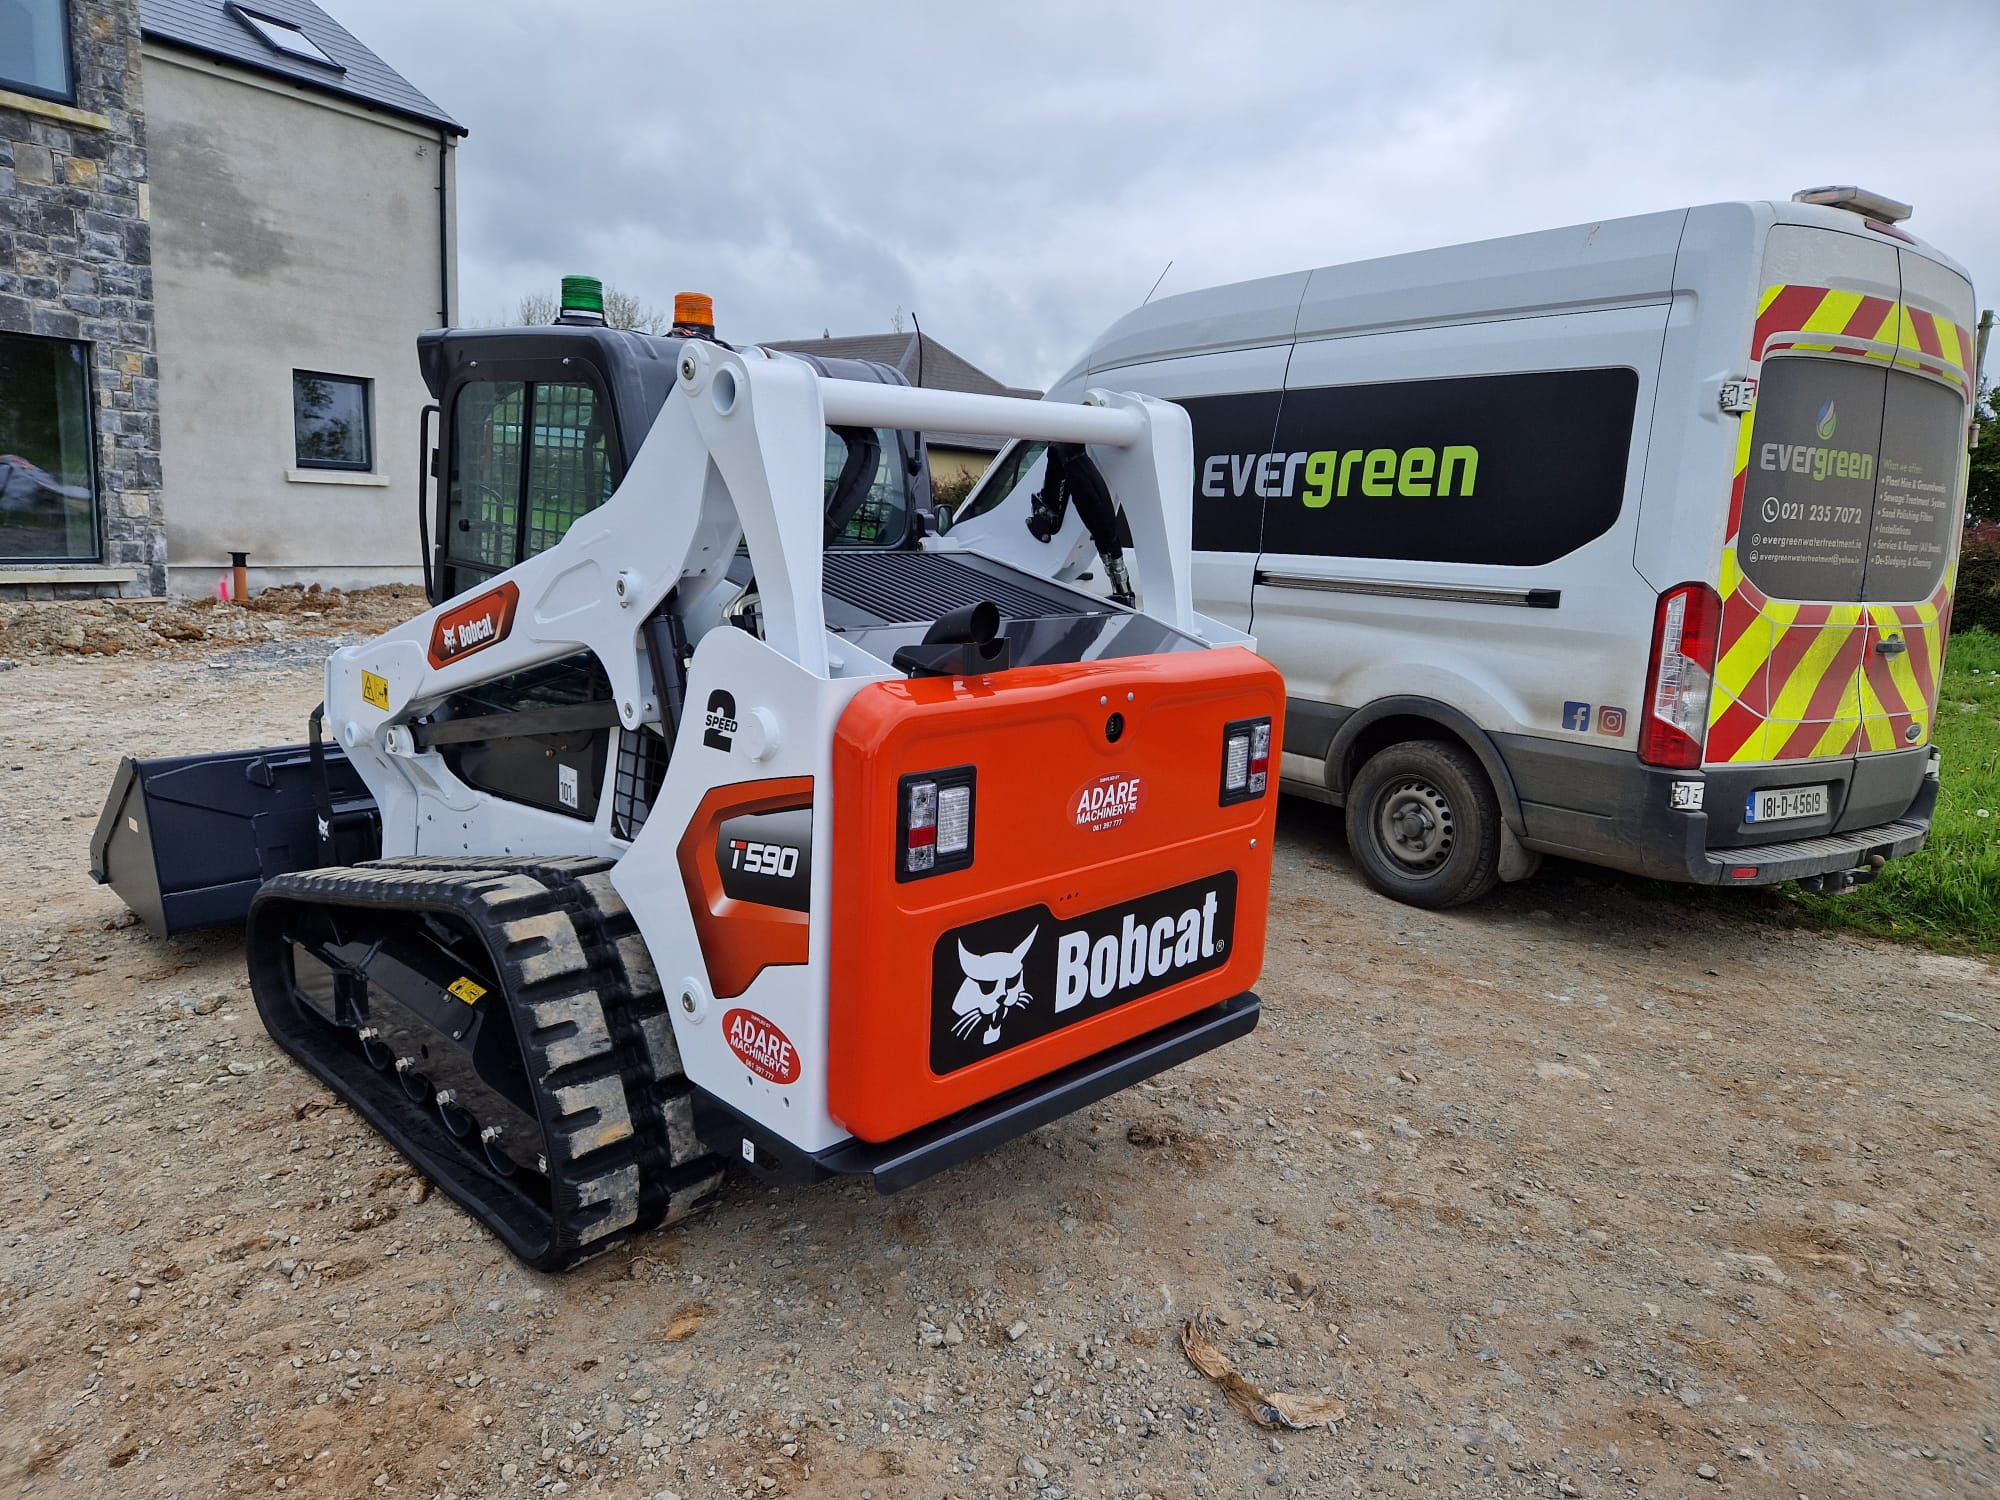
{"x":1804,"y":681}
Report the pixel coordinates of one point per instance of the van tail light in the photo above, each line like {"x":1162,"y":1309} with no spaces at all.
{"x":934,"y":822}
{"x":1246,"y":760}
{"x":1687,"y":626}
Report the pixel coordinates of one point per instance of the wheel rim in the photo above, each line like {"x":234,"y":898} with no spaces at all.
{"x":1414,"y":825}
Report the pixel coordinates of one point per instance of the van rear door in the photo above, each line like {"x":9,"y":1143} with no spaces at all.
{"x":1787,"y":676}
{"x":1834,"y":577}
{"x":1919,"y":508}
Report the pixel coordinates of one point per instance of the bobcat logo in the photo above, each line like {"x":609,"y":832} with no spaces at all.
{"x":992,"y":989}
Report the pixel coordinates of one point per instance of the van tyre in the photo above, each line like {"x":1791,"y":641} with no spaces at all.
{"x":1424,"y":825}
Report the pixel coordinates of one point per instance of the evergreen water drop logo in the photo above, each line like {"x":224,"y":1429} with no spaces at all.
{"x":1826,"y":422}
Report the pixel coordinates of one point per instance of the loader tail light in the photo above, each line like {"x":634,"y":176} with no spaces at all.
{"x":934,"y":810}
{"x":1246,"y":760}
{"x":1686,"y":627}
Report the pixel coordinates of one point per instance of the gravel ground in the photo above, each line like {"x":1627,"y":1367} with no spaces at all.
{"x":1579,"y":1192}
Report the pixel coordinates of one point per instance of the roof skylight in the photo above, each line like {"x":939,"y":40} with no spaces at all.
{"x":283,"y":36}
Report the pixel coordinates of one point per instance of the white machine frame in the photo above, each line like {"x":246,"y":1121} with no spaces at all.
{"x":736,"y":453}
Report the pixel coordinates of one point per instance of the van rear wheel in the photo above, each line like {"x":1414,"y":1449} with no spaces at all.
{"x":1424,"y":825}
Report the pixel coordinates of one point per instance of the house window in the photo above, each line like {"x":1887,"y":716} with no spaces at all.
{"x":48,"y":491}
{"x":34,"y":49}
{"x":283,"y":36}
{"x":330,"y":421}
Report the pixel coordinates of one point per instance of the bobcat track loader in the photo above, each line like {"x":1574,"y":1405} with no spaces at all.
{"x":741,"y":824}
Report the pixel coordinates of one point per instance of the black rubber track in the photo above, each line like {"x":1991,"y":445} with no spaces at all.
{"x":549,"y":960}
{"x":678,"y":1176}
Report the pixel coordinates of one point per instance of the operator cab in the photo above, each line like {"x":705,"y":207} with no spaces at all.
{"x":539,"y":424}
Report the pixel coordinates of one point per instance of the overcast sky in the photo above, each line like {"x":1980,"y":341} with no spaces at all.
{"x":1017,"y":175}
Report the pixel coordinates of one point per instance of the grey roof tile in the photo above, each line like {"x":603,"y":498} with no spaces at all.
{"x":210,"y":27}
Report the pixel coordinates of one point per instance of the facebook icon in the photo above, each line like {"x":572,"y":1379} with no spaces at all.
{"x":1576,"y":716}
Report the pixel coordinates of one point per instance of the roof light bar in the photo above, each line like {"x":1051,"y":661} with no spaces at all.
{"x":1857,"y":200}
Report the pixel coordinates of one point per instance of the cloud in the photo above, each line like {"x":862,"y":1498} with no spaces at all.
{"x":1019,"y":175}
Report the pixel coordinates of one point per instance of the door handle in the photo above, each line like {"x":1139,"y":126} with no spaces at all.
{"x":1890,"y":645}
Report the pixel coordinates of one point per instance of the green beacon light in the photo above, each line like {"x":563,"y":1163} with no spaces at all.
{"x":582,"y":300}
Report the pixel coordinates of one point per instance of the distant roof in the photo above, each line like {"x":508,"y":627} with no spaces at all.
{"x":225,"y":30}
{"x":942,"y":370}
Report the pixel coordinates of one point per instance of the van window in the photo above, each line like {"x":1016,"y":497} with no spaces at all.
{"x":1916,"y":489}
{"x":1000,"y":481}
{"x":1498,"y":469}
{"x":1851,"y":482}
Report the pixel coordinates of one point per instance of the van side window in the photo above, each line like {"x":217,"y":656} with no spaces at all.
{"x":1852,"y":482}
{"x":1499,"y":469}
{"x":1022,"y":460}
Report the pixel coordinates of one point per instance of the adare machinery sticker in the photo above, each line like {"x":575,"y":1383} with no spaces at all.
{"x":764,"y":1049}
{"x":474,"y":625}
{"x":1107,"y":802}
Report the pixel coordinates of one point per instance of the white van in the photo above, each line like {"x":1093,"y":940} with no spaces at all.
{"x":1631,"y":542}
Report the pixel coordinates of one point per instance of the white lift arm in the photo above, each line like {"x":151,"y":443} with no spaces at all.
{"x":738,"y":451}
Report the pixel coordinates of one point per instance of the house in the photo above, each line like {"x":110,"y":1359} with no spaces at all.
{"x":79,"y":391}
{"x":228,"y":223}
{"x":956,"y":457}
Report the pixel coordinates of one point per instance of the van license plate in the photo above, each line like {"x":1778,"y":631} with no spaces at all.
{"x":1785,"y":804}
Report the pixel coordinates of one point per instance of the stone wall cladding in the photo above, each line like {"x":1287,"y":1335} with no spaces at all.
{"x":76,"y":262}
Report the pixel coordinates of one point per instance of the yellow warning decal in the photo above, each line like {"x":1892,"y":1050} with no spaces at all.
{"x":466,"y":990}
{"x":375,"y":690}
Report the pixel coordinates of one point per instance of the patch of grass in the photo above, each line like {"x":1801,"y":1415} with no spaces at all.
{"x":1948,"y":896}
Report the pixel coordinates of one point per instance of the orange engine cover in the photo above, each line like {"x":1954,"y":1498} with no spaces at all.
{"x":1111,"y":889}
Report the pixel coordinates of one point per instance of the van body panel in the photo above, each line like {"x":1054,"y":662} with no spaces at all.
{"x":1348,"y":421}
{"x":1213,"y":388}
{"x":1605,"y":264}
{"x":1694,"y":441}
{"x":1508,"y":672}
{"x":1241,"y":316}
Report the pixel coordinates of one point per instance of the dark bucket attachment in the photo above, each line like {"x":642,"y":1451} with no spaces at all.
{"x":186,"y":840}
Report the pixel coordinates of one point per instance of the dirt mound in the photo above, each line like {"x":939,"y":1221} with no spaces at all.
{"x":107,"y":627}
